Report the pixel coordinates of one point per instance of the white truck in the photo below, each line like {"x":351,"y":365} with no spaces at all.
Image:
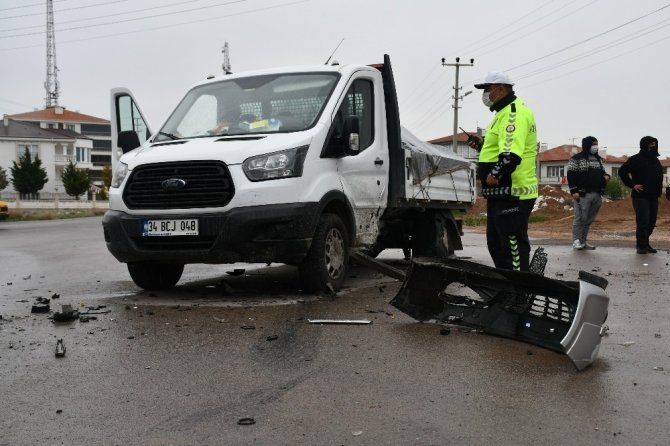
{"x":294,"y":165}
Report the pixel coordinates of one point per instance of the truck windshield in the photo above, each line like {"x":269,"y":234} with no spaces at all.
{"x":260,"y":104}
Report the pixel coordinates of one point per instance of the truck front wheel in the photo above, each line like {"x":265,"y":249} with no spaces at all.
{"x":327,"y":261}
{"x":155,"y":276}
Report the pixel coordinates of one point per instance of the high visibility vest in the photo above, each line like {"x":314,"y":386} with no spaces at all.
{"x":512,"y":130}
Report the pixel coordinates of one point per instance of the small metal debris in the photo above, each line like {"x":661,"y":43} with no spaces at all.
{"x":340,"y":321}
{"x":40,"y":308}
{"x":59,"y":410}
{"x":357,"y":433}
{"x":236,"y":272}
{"x":246,"y":421}
{"x":272,"y":338}
{"x":658,"y":369}
{"x":218,"y":319}
{"x":627,"y":344}
{"x":445,"y":331}
{"x":60,"y":348}
{"x":55,"y":296}
{"x":66,"y":314}
{"x":84,"y":318}
{"x":657,"y":335}
{"x":27,"y":277}
{"x":248,"y":327}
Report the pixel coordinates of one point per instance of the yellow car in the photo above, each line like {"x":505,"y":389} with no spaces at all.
{"x":4,"y":210}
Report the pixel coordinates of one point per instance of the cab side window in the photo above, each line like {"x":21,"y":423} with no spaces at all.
{"x":359,"y":102}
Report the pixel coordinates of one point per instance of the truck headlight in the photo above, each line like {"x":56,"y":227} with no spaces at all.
{"x":119,"y":174}
{"x":272,"y":166}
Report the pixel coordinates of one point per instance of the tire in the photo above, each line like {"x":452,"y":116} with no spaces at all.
{"x":433,"y":236}
{"x":326,"y":264}
{"x":155,"y":276}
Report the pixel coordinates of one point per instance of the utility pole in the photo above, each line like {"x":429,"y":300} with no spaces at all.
{"x":226,"y":59}
{"x":458,"y":65}
{"x":51,"y":84}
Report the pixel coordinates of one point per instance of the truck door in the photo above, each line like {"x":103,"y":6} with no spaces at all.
{"x":364,"y":174}
{"x":126,"y":115}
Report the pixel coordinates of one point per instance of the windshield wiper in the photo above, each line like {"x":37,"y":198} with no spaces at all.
{"x":169,"y":135}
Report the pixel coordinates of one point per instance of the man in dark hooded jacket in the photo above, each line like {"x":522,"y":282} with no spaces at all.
{"x":587,"y":180}
{"x":644,"y":175}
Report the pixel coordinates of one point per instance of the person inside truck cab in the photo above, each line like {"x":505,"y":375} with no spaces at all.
{"x":507,"y":172}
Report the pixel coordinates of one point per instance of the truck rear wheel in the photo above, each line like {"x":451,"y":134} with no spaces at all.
{"x":155,"y":276}
{"x":326,"y":264}
{"x":434,"y":236}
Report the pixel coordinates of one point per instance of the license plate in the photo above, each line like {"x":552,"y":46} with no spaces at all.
{"x":170,"y":227}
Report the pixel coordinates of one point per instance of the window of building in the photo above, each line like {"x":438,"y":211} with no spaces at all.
{"x":96,"y":129}
{"x":70,"y":127}
{"x":102,"y":144}
{"x":83,"y":155}
{"x":32,"y":149}
{"x":615,"y":172}
{"x":555,"y":171}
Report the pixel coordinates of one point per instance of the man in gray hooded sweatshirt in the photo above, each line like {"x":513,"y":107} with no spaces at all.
{"x":587,"y":180}
{"x":643,"y":173}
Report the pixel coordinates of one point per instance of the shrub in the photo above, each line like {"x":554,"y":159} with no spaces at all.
{"x":615,"y":189}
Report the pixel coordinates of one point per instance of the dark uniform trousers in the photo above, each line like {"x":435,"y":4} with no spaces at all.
{"x":507,"y":232}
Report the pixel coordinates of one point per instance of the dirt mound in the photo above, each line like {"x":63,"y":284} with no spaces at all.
{"x":615,"y":220}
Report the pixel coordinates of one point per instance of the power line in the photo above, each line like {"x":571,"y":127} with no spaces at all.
{"x":553,"y":53}
{"x":174,"y":25}
{"x":506,"y":27}
{"x":132,"y":20}
{"x":28,"y":6}
{"x":417,"y":102}
{"x":600,"y":62}
{"x":61,"y":22}
{"x":625,"y":39}
{"x":62,"y":10}
{"x":537,"y":29}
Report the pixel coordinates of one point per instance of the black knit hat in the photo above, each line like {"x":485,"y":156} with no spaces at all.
{"x":588,"y":142}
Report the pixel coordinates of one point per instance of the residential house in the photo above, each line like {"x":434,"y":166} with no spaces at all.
{"x":462,"y":147}
{"x":97,"y":130}
{"x":55,"y":148}
{"x":553,"y":164}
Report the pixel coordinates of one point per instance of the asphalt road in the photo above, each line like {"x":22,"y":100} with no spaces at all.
{"x":177,"y":368}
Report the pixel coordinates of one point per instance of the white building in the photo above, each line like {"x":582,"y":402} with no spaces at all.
{"x":55,"y":148}
{"x":96,"y":130}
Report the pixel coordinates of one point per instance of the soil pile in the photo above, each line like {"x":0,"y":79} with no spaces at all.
{"x":615,"y":221}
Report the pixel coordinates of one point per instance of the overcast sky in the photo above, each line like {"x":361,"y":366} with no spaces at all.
{"x":586,"y":67}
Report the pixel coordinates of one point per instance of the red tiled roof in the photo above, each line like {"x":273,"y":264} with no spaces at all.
{"x":461,"y":137}
{"x":564,"y":152}
{"x":49,"y":114}
{"x":560,"y":153}
{"x":665,"y":162}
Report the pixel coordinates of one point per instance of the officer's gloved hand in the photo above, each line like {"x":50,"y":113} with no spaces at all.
{"x":475,"y":142}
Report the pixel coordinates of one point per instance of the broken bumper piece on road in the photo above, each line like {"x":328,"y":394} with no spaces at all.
{"x":563,"y":316}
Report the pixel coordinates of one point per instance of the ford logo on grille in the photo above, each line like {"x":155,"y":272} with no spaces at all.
{"x":173,"y":184}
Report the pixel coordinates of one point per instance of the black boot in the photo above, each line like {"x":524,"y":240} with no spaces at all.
{"x":651,"y":250}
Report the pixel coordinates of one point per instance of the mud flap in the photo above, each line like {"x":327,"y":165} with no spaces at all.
{"x":563,"y":316}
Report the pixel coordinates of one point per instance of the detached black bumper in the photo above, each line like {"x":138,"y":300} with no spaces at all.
{"x":256,"y":234}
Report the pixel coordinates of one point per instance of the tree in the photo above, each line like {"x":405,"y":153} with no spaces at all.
{"x":28,"y":175}
{"x":107,"y":176}
{"x":4,"y":182}
{"x":75,"y":181}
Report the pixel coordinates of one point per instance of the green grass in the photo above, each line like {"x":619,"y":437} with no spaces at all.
{"x":480,"y":220}
{"x":51,"y":214}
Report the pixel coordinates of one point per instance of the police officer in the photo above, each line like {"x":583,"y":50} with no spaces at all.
{"x":507,"y":172}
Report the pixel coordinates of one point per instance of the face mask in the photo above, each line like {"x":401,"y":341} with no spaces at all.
{"x":486,"y":100}
{"x":594,"y":150}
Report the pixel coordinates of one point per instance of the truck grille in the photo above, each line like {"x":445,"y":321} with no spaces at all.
{"x":204,"y":184}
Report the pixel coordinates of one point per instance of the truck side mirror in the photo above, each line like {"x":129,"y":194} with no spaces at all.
{"x":128,"y":140}
{"x":351,"y":129}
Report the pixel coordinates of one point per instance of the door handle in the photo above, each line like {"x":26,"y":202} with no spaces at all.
{"x":379,"y":162}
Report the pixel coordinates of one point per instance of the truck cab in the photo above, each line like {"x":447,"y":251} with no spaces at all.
{"x":294,"y":165}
